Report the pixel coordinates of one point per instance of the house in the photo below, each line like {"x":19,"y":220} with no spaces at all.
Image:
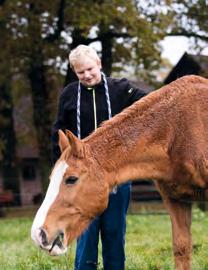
{"x":28,"y":173}
{"x":28,"y":180}
{"x":187,"y":65}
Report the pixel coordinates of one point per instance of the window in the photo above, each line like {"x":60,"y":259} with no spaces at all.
{"x":29,"y":170}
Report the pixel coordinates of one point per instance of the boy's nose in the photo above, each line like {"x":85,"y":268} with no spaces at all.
{"x":87,"y":74}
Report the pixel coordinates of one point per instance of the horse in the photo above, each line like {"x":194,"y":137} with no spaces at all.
{"x":163,"y":136}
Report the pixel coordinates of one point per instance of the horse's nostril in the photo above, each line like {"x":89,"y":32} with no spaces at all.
{"x":60,"y":239}
{"x":43,"y":237}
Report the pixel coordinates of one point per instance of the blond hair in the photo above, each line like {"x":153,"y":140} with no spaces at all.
{"x":80,"y":52}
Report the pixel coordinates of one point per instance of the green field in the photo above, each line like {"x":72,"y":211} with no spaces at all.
{"x":148,"y":245}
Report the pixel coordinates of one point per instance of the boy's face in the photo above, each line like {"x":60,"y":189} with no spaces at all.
{"x":88,"y":71}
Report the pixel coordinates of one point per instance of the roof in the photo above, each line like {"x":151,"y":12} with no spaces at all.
{"x":187,"y":65}
{"x":202,"y":61}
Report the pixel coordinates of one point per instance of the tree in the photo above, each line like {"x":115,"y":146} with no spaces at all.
{"x":7,"y":135}
{"x":28,"y":42}
{"x":191,"y":21}
{"x":38,"y":69}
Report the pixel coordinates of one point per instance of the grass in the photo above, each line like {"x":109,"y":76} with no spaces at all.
{"x":148,"y":245}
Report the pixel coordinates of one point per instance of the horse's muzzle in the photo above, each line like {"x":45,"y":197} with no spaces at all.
{"x":54,"y":247}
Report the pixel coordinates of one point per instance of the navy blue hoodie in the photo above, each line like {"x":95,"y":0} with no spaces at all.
{"x":122,"y":94}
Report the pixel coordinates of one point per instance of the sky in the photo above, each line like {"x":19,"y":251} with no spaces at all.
{"x":175,"y":47}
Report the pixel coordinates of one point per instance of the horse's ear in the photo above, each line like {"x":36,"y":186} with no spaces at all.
{"x":63,"y":140}
{"x":77,"y":145}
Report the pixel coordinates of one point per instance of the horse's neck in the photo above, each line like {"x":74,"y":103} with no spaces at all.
{"x":139,"y":142}
{"x":127,"y":140}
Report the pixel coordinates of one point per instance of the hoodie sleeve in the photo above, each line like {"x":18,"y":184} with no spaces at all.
{"x":132,"y":92}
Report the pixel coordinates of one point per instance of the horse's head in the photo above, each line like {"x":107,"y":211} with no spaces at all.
{"x":77,"y":192}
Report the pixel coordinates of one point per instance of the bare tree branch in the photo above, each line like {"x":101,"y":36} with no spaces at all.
{"x":187,"y":34}
{"x":60,"y":23}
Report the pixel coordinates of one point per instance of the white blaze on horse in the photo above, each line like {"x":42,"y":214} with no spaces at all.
{"x":163,"y":136}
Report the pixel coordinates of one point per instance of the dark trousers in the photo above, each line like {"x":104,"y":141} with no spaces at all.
{"x":111,"y":225}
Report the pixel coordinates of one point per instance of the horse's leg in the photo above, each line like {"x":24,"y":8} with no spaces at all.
{"x":180,"y":213}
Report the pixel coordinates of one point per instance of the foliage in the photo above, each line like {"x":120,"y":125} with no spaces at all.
{"x":35,"y":25}
{"x":190,"y":20}
{"x":148,"y":245}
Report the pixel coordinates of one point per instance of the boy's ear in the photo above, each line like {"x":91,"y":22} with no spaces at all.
{"x":63,"y":140}
{"x":99,"y":63}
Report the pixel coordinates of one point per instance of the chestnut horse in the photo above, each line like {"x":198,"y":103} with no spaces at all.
{"x":163,"y":136}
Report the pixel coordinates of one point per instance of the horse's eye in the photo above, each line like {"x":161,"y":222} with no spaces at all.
{"x":71,"y":180}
